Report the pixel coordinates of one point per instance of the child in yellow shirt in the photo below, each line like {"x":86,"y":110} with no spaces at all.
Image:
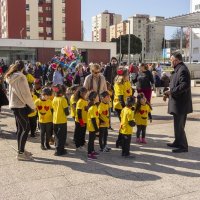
{"x":33,"y":116}
{"x":44,"y":108}
{"x":92,"y":124}
{"x":60,"y":113}
{"x":142,"y":114}
{"x":80,"y":118}
{"x":126,"y":126}
{"x":104,"y":118}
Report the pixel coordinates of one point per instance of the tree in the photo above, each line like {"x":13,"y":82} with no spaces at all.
{"x":176,"y":36}
{"x":135,"y":45}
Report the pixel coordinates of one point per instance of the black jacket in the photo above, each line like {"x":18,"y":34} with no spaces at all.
{"x":110,"y":73}
{"x":180,"y":100}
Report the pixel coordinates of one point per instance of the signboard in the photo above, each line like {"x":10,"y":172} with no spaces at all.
{"x":166,"y":53}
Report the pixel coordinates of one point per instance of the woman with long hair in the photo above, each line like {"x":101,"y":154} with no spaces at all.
{"x":20,"y":102}
{"x":58,"y":76}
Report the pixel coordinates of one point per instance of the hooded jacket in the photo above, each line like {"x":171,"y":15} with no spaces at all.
{"x":19,"y":92}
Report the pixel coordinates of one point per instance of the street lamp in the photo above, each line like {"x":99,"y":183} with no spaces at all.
{"x":120,"y":46}
{"x":21,"y":31}
{"x":129,"y":39}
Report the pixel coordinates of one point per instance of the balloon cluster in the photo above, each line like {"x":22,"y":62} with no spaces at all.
{"x":69,"y":58}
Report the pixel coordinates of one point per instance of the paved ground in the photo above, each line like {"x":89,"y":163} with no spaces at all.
{"x":154,"y":174}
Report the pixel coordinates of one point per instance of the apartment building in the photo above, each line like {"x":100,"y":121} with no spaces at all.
{"x":41,"y":19}
{"x":101,"y":25}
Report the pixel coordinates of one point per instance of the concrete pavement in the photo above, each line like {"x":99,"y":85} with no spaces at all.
{"x":154,"y":174}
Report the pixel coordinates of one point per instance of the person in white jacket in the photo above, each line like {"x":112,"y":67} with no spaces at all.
{"x":19,"y":98}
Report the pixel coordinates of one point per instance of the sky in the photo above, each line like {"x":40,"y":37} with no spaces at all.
{"x":127,"y":8}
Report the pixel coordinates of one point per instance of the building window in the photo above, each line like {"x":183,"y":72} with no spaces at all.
{"x":48,"y":1}
{"x":63,"y":1}
{"x":63,"y":10}
{"x":27,"y":28}
{"x":63,"y":30}
{"x":48,"y":9}
{"x":40,"y":19}
{"x":196,"y":50}
{"x":27,"y":7}
{"x":63,"y":20}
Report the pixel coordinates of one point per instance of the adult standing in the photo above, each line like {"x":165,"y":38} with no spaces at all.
{"x":79,"y":75}
{"x":19,"y":100}
{"x":38,"y":71}
{"x":180,"y":102}
{"x":159,"y":69}
{"x":95,"y":81}
{"x":144,"y":81}
{"x":110,"y":71}
{"x":58,"y":76}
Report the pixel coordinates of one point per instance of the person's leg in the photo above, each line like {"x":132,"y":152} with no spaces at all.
{"x":123,"y":145}
{"x":179,"y":126}
{"x":24,"y":126}
{"x":42,"y":133}
{"x":82,"y":136}
{"x":101,"y":138}
{"x":58,"y":139}
{"x":77,"y":133}
{"x":33,"y":124}
{"x":127,"y":144}
{"x":139,"y":128}
{"x":63,"y":136}
{"x":90,"y":141}
{"x":105,"y":137}
{"x":49,"y":130}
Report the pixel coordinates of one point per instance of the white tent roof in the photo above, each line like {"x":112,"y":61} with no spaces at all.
{"x":191,"y":20}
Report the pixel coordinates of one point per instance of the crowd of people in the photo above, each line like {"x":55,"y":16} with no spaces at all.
{"x":43,"y":96}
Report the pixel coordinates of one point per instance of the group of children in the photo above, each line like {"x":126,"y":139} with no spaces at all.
{"x":90,"y":111}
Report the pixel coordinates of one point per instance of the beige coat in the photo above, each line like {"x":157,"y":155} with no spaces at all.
{"x":19,"y":92}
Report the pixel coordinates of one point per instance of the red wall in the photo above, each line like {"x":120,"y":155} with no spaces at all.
{"x":73,"y":20}
{"x":98,"y":55}
{"x":103,"y":35}
{"x":44,"y":55}
{"x":16,"y":13}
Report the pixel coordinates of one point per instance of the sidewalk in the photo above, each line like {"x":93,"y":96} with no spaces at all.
{"x":154,"y":174}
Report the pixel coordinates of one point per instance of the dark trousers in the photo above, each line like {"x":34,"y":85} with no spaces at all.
{"x":103,"y":135}
{"x":126,"y":141}
{"x":33,"y":124}
{"x":60,"y":131}
{"x":46,"y":130}
{"x":141,"y":128}
{"x":179,"y":126}
{"x":92,"y":136}
{"x":23,"y":127}
{"x":118,"y":111}
{"x":79,"y":135}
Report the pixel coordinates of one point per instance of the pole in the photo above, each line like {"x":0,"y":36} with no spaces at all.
{"x":190,"y":47}
{"x":181,"y":41}
{"x":129,"y":42}
{"x":120,"y":49}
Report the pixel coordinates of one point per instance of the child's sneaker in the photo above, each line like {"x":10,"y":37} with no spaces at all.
{"x":138,"y":140}
{"x":24,"y":157}
{"x":107,"y":147}
{"x":143,"y":141}
{"x":91,"y":157}
{"x":51,"y":141}
{"x":105,"y":150}
{"x":28,"y":153}
{"x":95,"y":153}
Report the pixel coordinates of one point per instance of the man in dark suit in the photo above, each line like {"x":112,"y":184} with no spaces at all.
{"x":180,"y":102}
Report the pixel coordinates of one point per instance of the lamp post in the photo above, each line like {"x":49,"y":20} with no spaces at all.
{"x":120,"y":46}
{"x":129,"y":39}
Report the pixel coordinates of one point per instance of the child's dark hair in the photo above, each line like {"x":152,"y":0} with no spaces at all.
{"x":58,"y":90}
{"x":46,"y":91}
{"x":104,"y":94}
{"x":130,"y":101}
{"x":78,"y":94}
{"x":92,"y":96}
{"x":74,"y":88}
{"x":138,"y":104}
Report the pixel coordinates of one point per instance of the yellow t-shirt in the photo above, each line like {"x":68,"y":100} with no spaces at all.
{"x":103,"y":110}
{"x":82,"y":105}
{"x":141,"y":117}
{"x":92,"y":113}
{"x":59,"y":104}
{"x":30,"y":78}
{"x":128,"y":89}
{"x":119,"y":90}
{"x":44,"y":110}
{"x":72,"y":109}
{"x":126,"y":116}
{"x":33,"y":114}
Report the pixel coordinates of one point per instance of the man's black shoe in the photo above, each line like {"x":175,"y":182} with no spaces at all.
{"x":179,"y":150}
{"x":172,"y":145}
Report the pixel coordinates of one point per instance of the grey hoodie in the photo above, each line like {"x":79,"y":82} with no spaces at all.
{"x":19,"y":92}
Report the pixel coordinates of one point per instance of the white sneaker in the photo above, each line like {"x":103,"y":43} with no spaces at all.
{"x":24,"y":157}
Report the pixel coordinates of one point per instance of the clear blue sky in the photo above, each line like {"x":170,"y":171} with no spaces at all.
{"x":127,"y":8}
